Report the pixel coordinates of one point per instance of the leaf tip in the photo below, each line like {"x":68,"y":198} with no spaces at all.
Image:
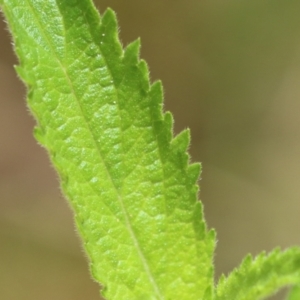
{"x":132,"y":51}
{"x":109,"y":17}
{"x":39,"y":135}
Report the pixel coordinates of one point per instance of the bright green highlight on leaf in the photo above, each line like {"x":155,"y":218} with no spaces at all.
{"x":128,"y":180}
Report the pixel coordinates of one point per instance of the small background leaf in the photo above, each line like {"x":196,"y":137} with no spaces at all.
{"x":261,"y":277}
{"x":294,"y":293}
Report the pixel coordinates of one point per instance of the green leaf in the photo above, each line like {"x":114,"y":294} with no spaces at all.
{"x":261,"y":277}
{"x":294,"y":294}
{"x":128,"y":180}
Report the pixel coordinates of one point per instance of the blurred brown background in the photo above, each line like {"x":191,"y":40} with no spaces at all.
{"x":231,"y":72}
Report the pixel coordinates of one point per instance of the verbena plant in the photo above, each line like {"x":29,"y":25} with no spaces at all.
{"x":129,"y":181}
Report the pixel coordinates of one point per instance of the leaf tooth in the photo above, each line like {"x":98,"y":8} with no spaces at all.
{"x":179,"y":147}
{"x":109,"y":25}
{"x":110,"y":45}
{"x":135,"y":70}
{"x":156,"y":94}
{"x":210,"y":238}
{"x":168,"y":122}
{"x":131,"y":53}
{"x":194,"y":171}
{"x":247,"y":261}
{"x":21,"y":71}
{"x":212,"y":235}
{"x":162,"y":126}
{"x":181,"y":141}
{"x":143,"y":66}
{"x":222,"y":279}
{"x":199,"y":225}
{"x":39,"y":135}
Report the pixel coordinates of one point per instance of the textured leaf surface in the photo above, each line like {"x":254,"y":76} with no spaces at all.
{"x":261,"y":277}
{"x":129,"y":182}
